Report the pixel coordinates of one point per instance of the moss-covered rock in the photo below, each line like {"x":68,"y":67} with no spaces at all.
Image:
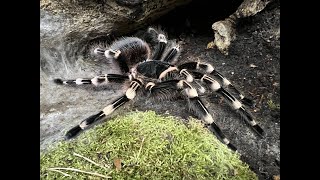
{"x":143,"y":145}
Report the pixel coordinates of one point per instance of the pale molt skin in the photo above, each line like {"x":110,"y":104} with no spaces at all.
{"x":155,"y":75}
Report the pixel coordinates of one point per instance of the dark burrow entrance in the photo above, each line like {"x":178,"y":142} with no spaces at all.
{"x":253,"y":65}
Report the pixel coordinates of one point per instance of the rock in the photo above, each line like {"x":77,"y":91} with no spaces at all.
{"x":224,"y":30}
{"x":224,"y":33}
{"x":67,"y":26}
{"x":251,"y":7}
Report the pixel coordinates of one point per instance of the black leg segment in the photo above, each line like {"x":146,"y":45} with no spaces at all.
{"x":98,"y":80}
{"x":129,"y":95}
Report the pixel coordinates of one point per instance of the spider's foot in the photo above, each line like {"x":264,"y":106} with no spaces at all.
{"x":73,"y":132}
{"x":248,"y":102}
{"x":58,"y":81}
{"x":232,"y":147}
{"x":259,"y":130}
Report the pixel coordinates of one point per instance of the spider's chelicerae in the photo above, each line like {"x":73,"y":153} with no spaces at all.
{"x":155,"y":74}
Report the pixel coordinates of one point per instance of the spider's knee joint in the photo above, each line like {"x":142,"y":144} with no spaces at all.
{"x":209,"y":68}
{"x":208,"y":119}
{"x":162,"y":38}
{"x":99,"y":51}
{"x":226,"y":82}
{"x":236,"y":104}
{"x":131,"y":93}
{"x":83,"y":125}
{"x":189,"y":77}
{"x":108,"y":109}
{"x":112,"y":53}
{"x":165,"y":72}
{"x":226,"y":141}
{"x":191,"y":92}
{"x":149,"y":86}
{"x":202,"y":90}
{"x":214,"y":85}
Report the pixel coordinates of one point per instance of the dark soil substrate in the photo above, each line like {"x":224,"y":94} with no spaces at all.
{"x":253,"y":64}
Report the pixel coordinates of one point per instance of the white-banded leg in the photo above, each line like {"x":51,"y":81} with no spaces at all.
{"x":160,"y":37}
{"x":195,"y":104}
{"x":209,"y":69}
{"x":108,"y":53}
{"x":166,"y":90}
{"x":129,"y":95}
{"x":98,"y":80}
{"x":172,"y":55}
{"x":231,"y":100}
{"x":173,"y":69}
{"x":114,"y":55}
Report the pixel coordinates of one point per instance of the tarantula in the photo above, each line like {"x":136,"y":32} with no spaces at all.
{"x":157,"y":75}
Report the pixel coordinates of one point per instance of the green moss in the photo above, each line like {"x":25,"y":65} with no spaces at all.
{"x":272,"y":105}
{"x":150,"y":147}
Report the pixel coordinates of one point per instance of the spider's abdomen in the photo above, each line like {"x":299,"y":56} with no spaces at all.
{"x":133,"y":50}
{"x":152,"y":69}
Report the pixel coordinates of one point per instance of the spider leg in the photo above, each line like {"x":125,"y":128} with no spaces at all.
{"x":160,"y":37}
{"x":129,"y":95}
{"x":172,"y":55}
{"x":98,"y":80}
{"x":209,"y":69}
{"x":166,"y":90}
{"x":195,"y":104}
{"x":231,"y":100}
